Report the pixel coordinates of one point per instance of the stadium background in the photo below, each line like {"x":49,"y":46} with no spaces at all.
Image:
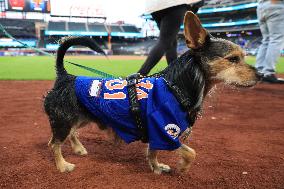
{"x":239,"y":140}
{"x":42,"y":23}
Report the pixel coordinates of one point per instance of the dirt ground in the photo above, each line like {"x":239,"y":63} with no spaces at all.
{"x":239,"y":143}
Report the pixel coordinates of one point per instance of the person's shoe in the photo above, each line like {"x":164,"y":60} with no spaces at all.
{"x":259,"y":75}
{"x":272,"y":79}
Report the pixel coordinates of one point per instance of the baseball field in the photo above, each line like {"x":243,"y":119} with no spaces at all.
{"x":42,"y":67}
{"x":239,"y":139}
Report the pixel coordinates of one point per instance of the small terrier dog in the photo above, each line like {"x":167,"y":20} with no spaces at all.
{"x":169,"y":101}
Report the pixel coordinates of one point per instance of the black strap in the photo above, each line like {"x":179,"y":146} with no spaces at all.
{"x":182,"y":99}
{"x":184,"y":102}
{"x":135,"y":106}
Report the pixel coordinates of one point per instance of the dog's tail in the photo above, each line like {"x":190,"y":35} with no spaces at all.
{"x":66,"y":43}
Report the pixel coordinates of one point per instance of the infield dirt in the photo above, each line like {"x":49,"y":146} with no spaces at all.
{"x":239,"y":143}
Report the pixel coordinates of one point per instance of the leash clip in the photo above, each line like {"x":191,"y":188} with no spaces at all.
{"x":132,"y":79}
{"x":186,"y":133}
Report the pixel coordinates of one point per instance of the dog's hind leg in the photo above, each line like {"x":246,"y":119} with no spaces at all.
{"x":187,"y":157}
{"x":155,"y":166}
{"x":76,"y":145}
{"x":60,"y":133}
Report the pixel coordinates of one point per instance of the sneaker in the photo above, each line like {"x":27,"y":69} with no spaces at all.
{"x":259,"y":75}
{"x":272,"y":79}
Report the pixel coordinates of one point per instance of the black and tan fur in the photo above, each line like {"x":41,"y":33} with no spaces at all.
{"x":209,"y":61}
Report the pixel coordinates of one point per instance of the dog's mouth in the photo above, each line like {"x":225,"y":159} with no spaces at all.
{"x":237,"y":82}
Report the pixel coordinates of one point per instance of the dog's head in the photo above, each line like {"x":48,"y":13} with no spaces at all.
{"x":225,"y":60}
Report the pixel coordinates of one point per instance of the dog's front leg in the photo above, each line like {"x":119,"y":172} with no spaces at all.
{"x":156,"y":167}
{"x":187,"y":157}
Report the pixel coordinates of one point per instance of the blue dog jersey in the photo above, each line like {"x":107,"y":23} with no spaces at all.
{"x":107,"y":99}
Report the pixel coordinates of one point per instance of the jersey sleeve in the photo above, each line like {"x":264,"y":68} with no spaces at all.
{"x":165,"y":125}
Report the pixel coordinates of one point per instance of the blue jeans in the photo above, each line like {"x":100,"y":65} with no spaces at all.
{"x":271,"y":22}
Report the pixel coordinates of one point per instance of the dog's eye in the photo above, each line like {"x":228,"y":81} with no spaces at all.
{"x":234,"y":59}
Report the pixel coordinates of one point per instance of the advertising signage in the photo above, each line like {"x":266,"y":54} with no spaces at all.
{"x":75,"y":8}
{"x":28,"y":5}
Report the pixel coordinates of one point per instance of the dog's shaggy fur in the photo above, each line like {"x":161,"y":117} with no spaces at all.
{"x":209,"y":61}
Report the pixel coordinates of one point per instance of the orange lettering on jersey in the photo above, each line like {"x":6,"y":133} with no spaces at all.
{"x":141,"y":94}
{"x":147,"y":85}
{"x":118,"y":95}
{"x":115,"y":84}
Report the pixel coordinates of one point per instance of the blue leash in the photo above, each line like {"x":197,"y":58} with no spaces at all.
{"x":93,"y":70}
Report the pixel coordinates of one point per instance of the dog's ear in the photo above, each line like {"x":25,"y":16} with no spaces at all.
{"x":195,"y":35}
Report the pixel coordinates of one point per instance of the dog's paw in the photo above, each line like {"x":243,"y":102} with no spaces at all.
{"x":183,"y":167}
{"x":161,"y":168}
{"x":66,"y":167}
{"x":80,"y":150}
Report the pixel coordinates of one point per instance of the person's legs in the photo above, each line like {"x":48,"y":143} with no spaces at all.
{"x":171,"y":54}
{"x":275,"y":24}
{"x":169,"y":28}
{"x":260,"y":58}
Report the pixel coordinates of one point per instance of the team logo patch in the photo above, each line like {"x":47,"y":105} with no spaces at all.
{"x":95,"y":88}
{"x":173,"y":130}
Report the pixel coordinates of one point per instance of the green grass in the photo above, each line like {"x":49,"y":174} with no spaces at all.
{"x":42,"y":67}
